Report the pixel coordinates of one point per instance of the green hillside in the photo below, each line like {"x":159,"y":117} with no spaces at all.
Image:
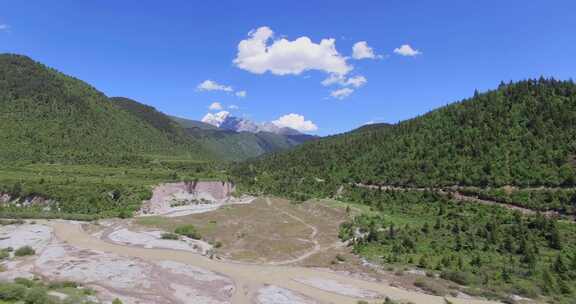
{"x":50,"y":117}
{"x":520,"y":134}
{"x":188,"y":123}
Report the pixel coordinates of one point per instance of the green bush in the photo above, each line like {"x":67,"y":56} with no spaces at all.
{"x":462,"y":278}
{"x":189,"y":231}
{"x":36,"y":295}
{"x":11,"y":291}
{"x":24,"y":251}
{"x":169,"y":236}
{"x":24,"y":282}
{"x":63,"y":284}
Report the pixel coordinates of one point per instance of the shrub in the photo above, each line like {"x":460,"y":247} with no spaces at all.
{"x":462,"y":278}
{"x":63,"y":284}
{"x":24,"y":251}
{"x":36,"y":295}
{"x":189,"y":231}
{"x":11,"y":291}
{"x":24,"y":282}
{"x":169,"y":236}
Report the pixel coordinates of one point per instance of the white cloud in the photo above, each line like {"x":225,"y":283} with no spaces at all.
{"x":341,"y":93}
{"x":209,"y":85}
{"x":233,"y":107}
{"x":406,"y":50}
{"x":241,"y":94}
{"x":296,"y":122}
{"x":356,"y":81}
{"x":4,"y":28}
{"x":215,"y":106}
{"x":258,"y":54}
{"x":361,"y":50}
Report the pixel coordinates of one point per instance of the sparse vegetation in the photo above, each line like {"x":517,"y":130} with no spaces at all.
{"x":35,"y":291}
{"x":188,"y":231}
{"x":24,"y":251}
{"x":170,"y":236}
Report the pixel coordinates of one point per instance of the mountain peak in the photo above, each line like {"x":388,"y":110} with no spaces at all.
{"x":224,"y":120}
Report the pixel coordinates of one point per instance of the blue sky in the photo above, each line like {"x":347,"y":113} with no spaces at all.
{"x":158,"y":52}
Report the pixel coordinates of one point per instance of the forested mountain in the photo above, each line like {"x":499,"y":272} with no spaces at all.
{"x":151,"y":116}
{"x":189,"y":123}
{"x":234,"y":146}
{"x":47,"y":116}
{"x":519,"y":134}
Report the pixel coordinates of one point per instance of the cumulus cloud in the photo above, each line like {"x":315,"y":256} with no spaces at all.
{"x":407,"y":50}
{"x":361,"y":50}
{"x":241,"y":94}
{"x":209,"y":85}
{"x":215,"y":106}
{"x":259,"y":54}
{"x":233,"y":107}
{"x":296,"y":122}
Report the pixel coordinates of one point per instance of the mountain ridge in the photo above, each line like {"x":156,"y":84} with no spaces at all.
{"x":480,"y":141}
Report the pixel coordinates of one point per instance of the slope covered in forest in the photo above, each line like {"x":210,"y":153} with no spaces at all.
{"x":519,"y":134}
{"x":50,"y":117}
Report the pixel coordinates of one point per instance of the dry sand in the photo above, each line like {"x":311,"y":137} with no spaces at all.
{"x":249,"y":279}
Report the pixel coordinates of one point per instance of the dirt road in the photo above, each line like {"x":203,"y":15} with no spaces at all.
{"x":248,"y":277}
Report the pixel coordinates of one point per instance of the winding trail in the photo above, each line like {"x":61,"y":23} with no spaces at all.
{"x":248,"y":277}
{"x":455,"y":192}
{"x":317,"y":248}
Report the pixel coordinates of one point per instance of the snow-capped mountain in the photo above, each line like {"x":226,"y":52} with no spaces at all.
{"x":224,"y":120}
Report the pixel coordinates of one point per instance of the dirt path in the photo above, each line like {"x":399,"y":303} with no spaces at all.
{"x":249,"y":278}
{"x":313,"y":238}
{"x":455,"y":193}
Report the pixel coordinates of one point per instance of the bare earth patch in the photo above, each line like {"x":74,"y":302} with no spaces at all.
{"x":277,"y":295}
{"x":339,"y":288}
{"x":185,"y":198}
{"x":153,"y":239}
{"x":133,"y":280}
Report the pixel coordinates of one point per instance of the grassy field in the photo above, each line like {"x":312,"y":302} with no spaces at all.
{"x":259,"y":232}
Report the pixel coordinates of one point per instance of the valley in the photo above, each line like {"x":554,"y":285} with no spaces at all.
{"x":108,"y":200}
{"x":70,"y":250}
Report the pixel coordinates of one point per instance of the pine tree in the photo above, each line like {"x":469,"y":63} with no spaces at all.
{"x":559,"y":266}
{"x":548,"y":282}
{"x":554,"y":237}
